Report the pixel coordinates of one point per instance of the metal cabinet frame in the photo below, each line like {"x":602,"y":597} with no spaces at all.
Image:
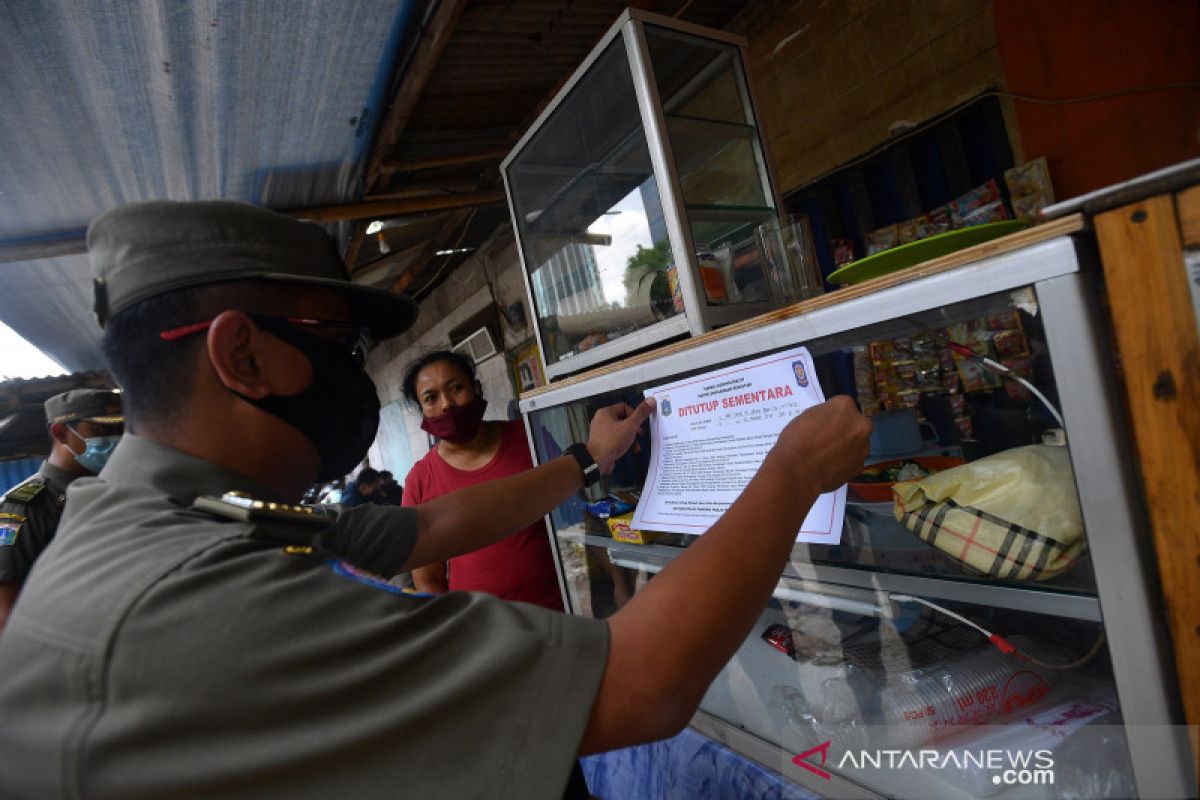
{"x":698,"y":316}
{"x":1067,"y":285}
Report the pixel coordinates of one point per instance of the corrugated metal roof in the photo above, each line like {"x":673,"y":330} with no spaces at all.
{"x":272,"y":101}
{"x":105,"y":102}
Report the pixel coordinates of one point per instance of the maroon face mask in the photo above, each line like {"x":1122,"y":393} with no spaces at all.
{"x":458,"y":425}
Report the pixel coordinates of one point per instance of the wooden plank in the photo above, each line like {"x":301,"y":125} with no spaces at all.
{"x":47,"y":248}
{"x":1189,"y":216}
{"x":358,"y":233}
{"x":397,"y":208}
{"x":433,"y":41}
{"x":423,"y":188}
{"x":1005,"y":244}
{"x":389,"y":166}
{"x":1156,"y":335}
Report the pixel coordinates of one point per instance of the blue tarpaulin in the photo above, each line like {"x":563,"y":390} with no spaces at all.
{"x":16,"y":470}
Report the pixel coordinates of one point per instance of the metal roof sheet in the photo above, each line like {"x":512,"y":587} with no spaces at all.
{"x":103,"y":102}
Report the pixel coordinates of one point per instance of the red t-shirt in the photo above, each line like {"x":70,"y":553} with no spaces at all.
{"x":520,"y":567}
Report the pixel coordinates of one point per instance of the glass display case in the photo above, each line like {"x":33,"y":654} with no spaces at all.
{"x":637,"y":193}
{"x":882,"y":640}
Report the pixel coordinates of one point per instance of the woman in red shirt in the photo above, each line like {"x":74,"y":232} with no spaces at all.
{"x":442,"y":385}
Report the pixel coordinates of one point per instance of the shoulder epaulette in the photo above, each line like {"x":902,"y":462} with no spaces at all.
{"x":277,"y":522}
{"x":25,"y":491}
{"x":234,"y":505}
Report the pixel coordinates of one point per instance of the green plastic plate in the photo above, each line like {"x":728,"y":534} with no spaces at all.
{"x":913,"y":253}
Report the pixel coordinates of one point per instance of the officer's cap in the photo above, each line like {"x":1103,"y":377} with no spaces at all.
{"x":141,"y":250}
{"x":102,"y":406}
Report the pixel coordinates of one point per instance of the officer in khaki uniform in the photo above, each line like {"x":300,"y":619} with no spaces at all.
{"x":189,"y":633}
{"x":84,"y":426}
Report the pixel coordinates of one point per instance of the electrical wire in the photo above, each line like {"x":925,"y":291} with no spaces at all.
{"x":1091,"y":98}
{"x":446,"y":258}
{"x":682,"y":9}
{"x":1000,"y":369}
{"x":1001,"y":644}
{"x":992,"y":366}
{"x":1086,"y":657}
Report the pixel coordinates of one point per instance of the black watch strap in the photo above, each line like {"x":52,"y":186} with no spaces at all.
{"x":591,"y":470}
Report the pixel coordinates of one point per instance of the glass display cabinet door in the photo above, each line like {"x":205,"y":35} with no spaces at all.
{"x":719,"y":163}
{"x":590,"y":222}
{"x":637,"y":195}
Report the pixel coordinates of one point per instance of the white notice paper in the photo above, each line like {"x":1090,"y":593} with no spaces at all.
{"x":710,"y":435}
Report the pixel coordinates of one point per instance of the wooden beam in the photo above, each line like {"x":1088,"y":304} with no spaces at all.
{"x":357,"y":234}
{"x":421,"y":189}
{"x":440,"y":236}
{"x":397,"y":208}
{"x":429,"y":49}
{"x":390,"y":166}
{"x":43,"y":248}
{"x":1156,"y":334}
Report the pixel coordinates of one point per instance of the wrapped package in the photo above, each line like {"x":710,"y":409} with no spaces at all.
{"x":1030,"y":188}
{"x":976,"y":205}
{"x":882,"y":239}
{"x":1013,"y":515}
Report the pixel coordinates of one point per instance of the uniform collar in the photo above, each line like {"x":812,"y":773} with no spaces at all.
{"x":56,"y":477}
{"x":182,"y":477}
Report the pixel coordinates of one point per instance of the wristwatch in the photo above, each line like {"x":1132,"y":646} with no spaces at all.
{"x":591,"y":470}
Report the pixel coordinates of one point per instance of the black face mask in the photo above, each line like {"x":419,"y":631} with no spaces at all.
{"x":339,"y":410}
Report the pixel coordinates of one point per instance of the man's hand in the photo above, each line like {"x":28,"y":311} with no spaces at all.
{"x":613,"y":431}
{"x":829,"y":442}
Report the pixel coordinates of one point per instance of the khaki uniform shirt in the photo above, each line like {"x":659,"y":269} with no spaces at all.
{"x":29,"y":516}
{"x":159,"y":651}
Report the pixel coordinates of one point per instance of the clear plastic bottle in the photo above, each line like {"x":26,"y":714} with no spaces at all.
{"x":911,"y":709}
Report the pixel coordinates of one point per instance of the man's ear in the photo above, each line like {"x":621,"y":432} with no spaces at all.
{"x":234,"y":345}
{"x":59,"y":432}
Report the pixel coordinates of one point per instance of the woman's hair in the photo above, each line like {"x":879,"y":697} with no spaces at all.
{"x":409,"y":387}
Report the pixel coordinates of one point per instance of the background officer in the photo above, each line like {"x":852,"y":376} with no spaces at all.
{"x":84,"y":427}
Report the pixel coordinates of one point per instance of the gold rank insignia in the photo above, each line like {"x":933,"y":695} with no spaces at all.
{"x":239,"y":506}
{"x":25,"y":491}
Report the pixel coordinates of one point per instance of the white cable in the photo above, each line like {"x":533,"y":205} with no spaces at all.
{"x":1041,"y":397}
{"x":908,"y":598}
{"x":1008,"y":373}
{"x":999,"y":641}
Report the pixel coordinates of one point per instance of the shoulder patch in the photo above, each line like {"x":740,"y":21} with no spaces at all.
{"x":10,"y":528}
{"x":358,"y":575}
{"x":25,"y":491}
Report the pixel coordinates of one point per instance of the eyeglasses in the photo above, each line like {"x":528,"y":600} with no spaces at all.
{"x":346,"y":333}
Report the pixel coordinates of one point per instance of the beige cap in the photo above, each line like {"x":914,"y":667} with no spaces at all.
{"x":102,"y":406}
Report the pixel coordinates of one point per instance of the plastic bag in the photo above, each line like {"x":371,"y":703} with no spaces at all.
{"x":1014,"y":515}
